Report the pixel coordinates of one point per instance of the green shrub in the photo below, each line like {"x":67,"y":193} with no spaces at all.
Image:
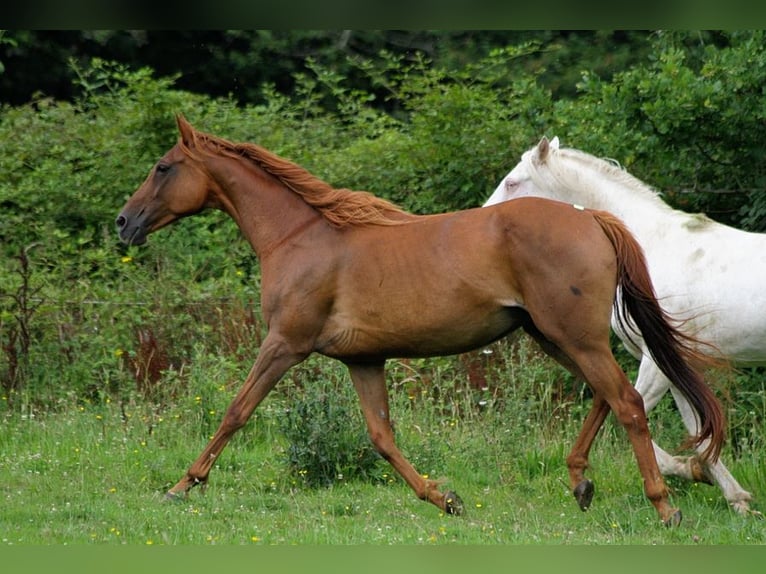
{"x":325,"y":430}
{"x":693,"y":127}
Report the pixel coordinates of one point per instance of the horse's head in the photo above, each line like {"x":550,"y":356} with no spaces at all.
{"x":519,"y":181}
{"x":177,"y":186}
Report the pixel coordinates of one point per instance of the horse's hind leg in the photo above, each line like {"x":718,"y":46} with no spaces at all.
{"x":369,"y":381}
{"x":652,"y":384}
{"x":706,"y":471}
{"x":610,"y":384}
{"x":577,"y":460}
{"x":611,"y":389}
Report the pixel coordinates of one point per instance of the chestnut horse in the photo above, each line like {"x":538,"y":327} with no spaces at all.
{"x":357,"y":279}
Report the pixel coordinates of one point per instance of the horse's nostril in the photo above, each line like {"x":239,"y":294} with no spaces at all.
{"x":120,"y":221}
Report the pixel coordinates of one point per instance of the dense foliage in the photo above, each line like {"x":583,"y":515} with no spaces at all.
{"x":691,"y":124}
{"x":84,"y":319}
{"x":238,"y":62}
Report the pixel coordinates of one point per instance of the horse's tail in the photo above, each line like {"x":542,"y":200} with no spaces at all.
{"x":677,"y":354}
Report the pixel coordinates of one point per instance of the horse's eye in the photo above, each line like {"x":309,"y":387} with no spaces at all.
{"x":163,"y":168}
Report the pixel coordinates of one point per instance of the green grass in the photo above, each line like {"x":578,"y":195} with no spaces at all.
{"x":96,"y":474}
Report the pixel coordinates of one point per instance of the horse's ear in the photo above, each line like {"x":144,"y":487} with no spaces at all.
{"x":186,"y":130}
{"x":555,"y":143}
{"x":542,"y":149}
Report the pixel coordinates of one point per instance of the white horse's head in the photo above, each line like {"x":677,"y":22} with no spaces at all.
{"x":519,"y":181}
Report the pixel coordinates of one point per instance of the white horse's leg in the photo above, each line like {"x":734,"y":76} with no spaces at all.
{"x":652,"y":384}
{"x":738,"y":497}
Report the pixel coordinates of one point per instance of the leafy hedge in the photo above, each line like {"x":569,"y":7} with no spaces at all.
{"x":84,"y":317}
{"x":694,"y":127}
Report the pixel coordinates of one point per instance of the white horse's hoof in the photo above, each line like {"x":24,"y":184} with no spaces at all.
{"x":742,"y":507}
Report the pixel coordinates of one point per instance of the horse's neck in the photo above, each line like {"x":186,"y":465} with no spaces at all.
{"x":599,"y":189}
{"x":266,"y":211}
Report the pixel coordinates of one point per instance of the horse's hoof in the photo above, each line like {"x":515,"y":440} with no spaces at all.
{"x":583,"y":492}
{"x":674,"y":519}
{"x":453,"y":504}
{"x":174,"y":496}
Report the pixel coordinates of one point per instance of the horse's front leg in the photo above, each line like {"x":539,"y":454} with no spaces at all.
{"x":274,"y":359}
{"x":370,"y":385}
{"x":708,"y":471}
{"x":652,"y":384}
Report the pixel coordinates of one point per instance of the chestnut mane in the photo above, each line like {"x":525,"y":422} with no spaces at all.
{"x":340,"y":207}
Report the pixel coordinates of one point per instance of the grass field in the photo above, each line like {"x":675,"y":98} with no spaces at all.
{"x":97,"y":473}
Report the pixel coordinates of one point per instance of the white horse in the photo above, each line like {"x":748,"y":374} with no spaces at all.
{"x":709,"y":273}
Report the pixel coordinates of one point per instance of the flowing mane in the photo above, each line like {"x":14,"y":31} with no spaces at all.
{"x":563,"y":166}
{"x":340,"y":207}
{"x":615,"y":173}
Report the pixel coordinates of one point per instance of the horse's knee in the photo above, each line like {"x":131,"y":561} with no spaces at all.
{"x":697,"y":470}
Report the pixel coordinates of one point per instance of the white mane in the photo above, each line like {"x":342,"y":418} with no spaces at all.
{"x":603,"y":184}
{"x":571,"y":176}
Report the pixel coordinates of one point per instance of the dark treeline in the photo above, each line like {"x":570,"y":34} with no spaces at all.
{"x":237,"y":63}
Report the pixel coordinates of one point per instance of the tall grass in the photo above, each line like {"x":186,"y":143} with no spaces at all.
{"x":96,"y":473}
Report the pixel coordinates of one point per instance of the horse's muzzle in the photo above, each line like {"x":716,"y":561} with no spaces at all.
{"x":130,"y":233}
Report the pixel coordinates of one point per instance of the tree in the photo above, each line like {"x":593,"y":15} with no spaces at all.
{"x":239,"y":62}
{"x":691,"y":122}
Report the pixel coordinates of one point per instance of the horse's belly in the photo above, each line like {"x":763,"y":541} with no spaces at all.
{"x":718,"y":318}
{"x":418,"y":335}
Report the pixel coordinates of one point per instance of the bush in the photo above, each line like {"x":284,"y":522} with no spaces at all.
{"x":692,"y":127}
{"x":325,"y":429}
